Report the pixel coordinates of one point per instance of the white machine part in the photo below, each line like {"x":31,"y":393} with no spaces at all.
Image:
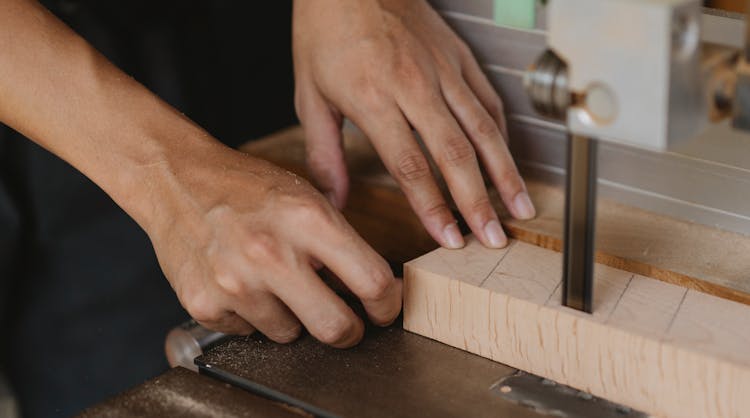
{"x":633,"y":69}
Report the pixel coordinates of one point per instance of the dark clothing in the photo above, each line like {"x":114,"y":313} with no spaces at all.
{"x":83,"y":300}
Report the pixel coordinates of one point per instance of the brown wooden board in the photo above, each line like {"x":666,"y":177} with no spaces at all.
{"x":690,"y":255}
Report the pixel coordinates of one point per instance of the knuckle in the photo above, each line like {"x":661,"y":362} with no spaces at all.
{"x":457,"y":151}
{"x":408,"y":71}
{"x":448,"y":63}
{"x":379,"y":285}
{"x":202,"y":309}
{"x":481,"y":205}
{"x":244,"y":329}
{"x":436,"y":209}
{"x":286,"y":335}
{"x":371,"y":93}
{"x":314,"y":212}
{"x":230,"y":284}
{"x":374,"y":98}
{"x":510,"y":181}
{"x":229,"y":324}
{"x":412,"y":167}
{"x":262,"y":246}
{"x":308,"y":210}
{"x":486,"y":127}
{"x":336,"y":330}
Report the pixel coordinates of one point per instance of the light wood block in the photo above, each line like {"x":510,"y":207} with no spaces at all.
{"x":654,"y":346}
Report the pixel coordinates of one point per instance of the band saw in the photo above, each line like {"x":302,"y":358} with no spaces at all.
{"x":644,"y":101}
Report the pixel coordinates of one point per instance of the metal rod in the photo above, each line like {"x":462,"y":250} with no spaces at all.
{"x":580,"y":217}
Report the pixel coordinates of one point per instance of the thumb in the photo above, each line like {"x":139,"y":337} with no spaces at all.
{"x":324,"y":148}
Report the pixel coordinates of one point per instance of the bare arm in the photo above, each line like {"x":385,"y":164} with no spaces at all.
{"x":60,"y":92}
{"x":236,"y":236}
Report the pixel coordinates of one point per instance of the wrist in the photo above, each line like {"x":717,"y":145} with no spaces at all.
{"x":149,"y":178}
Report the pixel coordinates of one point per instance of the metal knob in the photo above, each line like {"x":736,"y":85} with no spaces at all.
{"x":186,"y":342}
{"x":546,"y":83}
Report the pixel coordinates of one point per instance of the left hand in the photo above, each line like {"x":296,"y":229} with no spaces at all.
{"x":389,"y":65}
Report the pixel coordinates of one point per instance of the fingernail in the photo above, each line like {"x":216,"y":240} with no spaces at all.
{"x":452,"y":237}
{"x":495,"y":235}
{"x":523,"y":207}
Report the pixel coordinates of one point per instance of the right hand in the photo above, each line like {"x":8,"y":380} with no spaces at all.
{"x":240,"y":240}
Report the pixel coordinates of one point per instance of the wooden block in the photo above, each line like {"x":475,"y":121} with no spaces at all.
{"x":654,"y":346}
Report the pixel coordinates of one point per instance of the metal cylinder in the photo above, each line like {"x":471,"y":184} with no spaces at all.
{"x":187,"y":341}
{"x":546,"y":83}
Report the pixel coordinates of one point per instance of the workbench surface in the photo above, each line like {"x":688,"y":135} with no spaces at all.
{"x":391,"y":373}
{"x":182,"y":393}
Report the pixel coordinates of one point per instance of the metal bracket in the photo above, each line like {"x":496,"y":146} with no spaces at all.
{"x":547,"y":397}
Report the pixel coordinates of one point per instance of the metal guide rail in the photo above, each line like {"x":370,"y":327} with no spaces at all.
{"x":394,"y":373}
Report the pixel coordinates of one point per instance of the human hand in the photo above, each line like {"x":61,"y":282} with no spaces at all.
{"x":239,"y":240}
{"x":391,"y":65}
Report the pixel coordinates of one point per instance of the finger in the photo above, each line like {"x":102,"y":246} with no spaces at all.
{"x":334,"y":282}
{"x":230,"y":323}
{"x":486,"y":136}
{"x":456,"y":158}
{"x":270,"y":316}
{"x":484,"y":91}
{"x":324,"y":147}
{"x":323,"y":313}
{"x":394,"y":141}
{"x":364,"y":272}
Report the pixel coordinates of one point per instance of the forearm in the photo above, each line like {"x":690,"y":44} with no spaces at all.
{"x":61,"y":93}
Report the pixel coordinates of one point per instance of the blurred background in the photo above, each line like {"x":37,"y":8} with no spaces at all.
{"x":729,"y":5}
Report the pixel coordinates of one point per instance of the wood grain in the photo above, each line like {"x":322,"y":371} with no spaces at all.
{"x":690,"y":255}
{"x":654,"y":346}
